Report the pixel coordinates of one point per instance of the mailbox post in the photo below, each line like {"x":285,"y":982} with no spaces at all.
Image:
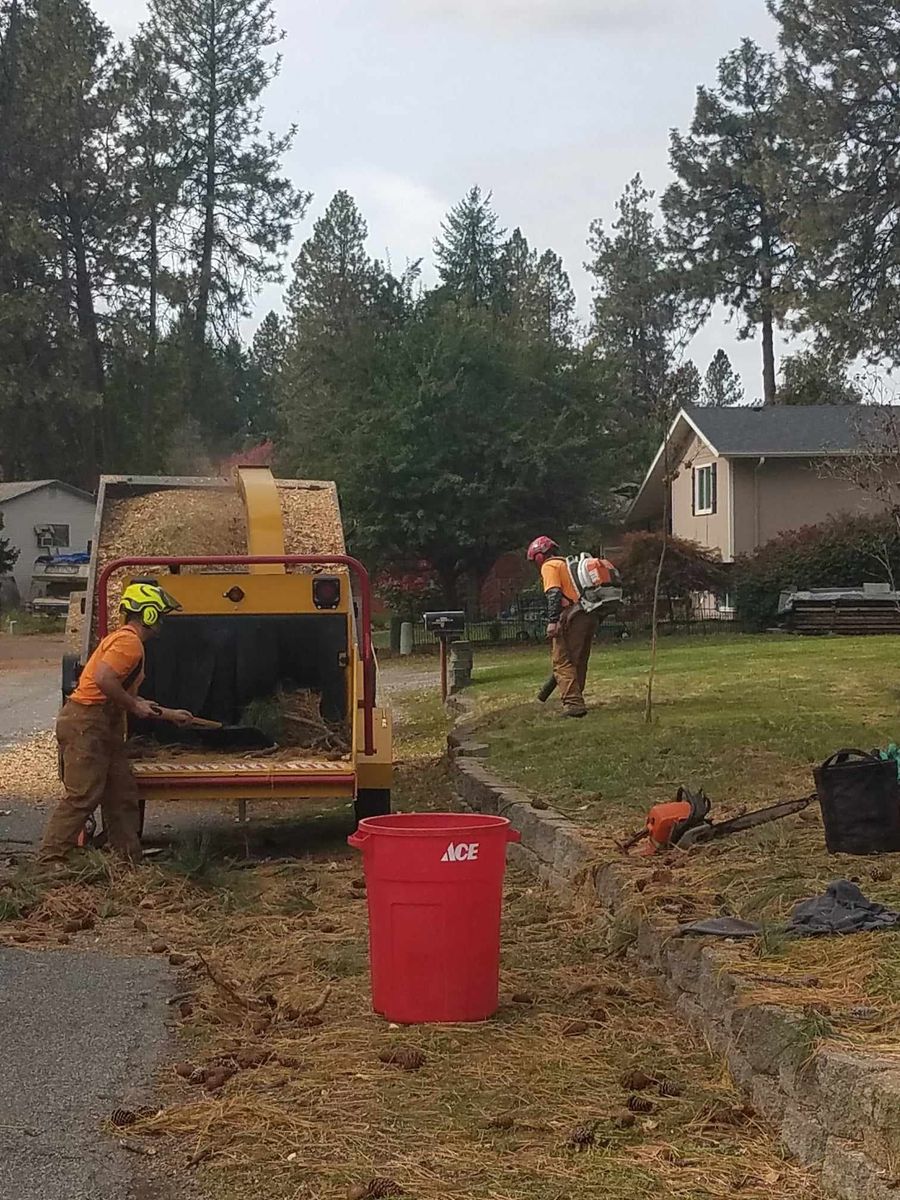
{"x":449,"y":626}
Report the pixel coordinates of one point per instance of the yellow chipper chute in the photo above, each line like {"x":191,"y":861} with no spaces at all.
{"x":272,"y":648}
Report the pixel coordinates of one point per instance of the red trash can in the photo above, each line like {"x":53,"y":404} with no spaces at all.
{"x":435,"y":891}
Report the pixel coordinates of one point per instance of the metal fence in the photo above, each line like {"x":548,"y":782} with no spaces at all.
{"x":525,"y":623}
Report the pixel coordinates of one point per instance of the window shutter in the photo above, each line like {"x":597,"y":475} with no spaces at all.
{"x":713,"y":487}
{"x":694,"y":478}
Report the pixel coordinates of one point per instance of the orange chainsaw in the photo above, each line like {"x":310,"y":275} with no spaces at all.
{"x":684,"y":822}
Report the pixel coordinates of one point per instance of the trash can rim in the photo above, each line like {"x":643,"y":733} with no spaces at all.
{"x":430,"y":824}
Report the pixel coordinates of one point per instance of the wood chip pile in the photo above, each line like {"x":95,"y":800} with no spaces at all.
{"x":28,"y":772}
{"x":199,"y":520}
{"x":174,"y":520}
{"x":312,"y":518}
{"x":75,"y":622}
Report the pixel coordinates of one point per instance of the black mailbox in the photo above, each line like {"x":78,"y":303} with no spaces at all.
{"x":445,"y":623}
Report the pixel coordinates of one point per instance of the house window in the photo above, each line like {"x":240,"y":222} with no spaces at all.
{"x":705,"y":490}
{"x":49,"y":536}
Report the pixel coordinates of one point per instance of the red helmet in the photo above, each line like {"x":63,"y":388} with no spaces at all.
{"x":542,"y":547}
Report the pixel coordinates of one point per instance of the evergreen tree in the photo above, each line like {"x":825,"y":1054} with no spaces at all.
{"x":8,"y":555}
{"x":813,"y":377}
{"x":636,"y":323}
{"x":687,"y":384}
{"x":266,"y":362}
{"x":535,"y":291}
{"x":59,"y":235}
{"x":468,"y":250}
{"x":340,"y":301}
{"x":726,"y":212}
{"x":334,"y":278}
{"x":843,"y":117}
{"x":240,"y":209}
{"x":155,"y":163}
{"x":722,"y":386}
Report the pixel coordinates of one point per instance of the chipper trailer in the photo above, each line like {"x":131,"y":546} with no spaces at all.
{"x":273,"y":611}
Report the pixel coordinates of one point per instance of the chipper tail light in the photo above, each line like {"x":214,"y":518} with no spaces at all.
{"x":326,"y":591}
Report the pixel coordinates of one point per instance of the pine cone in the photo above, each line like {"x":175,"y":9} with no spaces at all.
{"x":638,"y":1104}
{"x":669,"y":1087}
{"x":637,"y":1081}
{"x":123,"y":1117}
{"x":502,"y":1121}
{"x":251,"y":1057}
{"x":617,"y":991}
{"x":377,"y":1189}
{"x":522,"y":998}
{"x":408,"y":1058}
{"x":582,"y":1137}
{"x":599,"y":1015}
{"x":626,"y":1121}
{"x":146,"y":1111}
{"x":880,"y":874}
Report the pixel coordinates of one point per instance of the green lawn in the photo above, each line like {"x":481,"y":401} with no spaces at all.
{"x":745,"y":717}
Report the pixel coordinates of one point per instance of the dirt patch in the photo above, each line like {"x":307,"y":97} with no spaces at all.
{"x":36,"y":650}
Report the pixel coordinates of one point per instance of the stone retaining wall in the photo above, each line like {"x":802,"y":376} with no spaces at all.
{"x":838,"y":1110}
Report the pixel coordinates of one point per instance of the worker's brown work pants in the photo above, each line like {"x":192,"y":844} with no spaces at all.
{"x":96,"y":772}
{"x":571,"y":654}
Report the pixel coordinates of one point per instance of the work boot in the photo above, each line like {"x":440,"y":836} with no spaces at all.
{"x":575,"y":712}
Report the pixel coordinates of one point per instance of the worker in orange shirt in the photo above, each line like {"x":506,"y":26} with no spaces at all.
{"x":570,"y":629}
{"x":90,"y":731}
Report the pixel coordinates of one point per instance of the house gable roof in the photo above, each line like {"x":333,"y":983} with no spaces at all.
{"x":12,"y":491}
{"x":772,"y":431}
{"x":791,"y":430}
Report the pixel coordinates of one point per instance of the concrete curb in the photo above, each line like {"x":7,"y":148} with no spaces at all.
{"x":838,"y":1111}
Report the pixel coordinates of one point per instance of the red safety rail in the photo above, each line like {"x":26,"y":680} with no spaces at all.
{"x":288,"y":560}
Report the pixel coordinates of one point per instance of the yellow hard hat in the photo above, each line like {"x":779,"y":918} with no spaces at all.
{"x":149,"y":601}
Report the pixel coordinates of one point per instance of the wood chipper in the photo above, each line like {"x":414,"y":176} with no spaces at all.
{"x":272,"y":647}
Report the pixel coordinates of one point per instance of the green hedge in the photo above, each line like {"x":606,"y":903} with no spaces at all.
{"x":842,"y":552}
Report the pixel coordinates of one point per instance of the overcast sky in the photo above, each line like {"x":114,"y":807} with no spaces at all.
{"x":551,"y":104}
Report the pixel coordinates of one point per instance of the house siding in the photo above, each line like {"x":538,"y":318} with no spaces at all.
{"x":714,"y":529}
{"x":787,"y":493}
{"x":47,"y":506}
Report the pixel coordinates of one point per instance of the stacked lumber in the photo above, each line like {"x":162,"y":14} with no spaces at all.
{"x":845,"y":617}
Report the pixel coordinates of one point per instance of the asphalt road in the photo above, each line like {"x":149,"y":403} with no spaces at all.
{"x":80,"y":1035}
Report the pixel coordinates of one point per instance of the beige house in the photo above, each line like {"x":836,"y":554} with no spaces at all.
{"x":740,"y":476}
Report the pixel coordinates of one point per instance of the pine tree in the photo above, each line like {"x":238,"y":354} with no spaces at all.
{"x":687,"y":385}
{"x":468,"y":250}
{"x":155,"y":162}
{"x":636,"y":322}
{"x":8,"y":555}
{"x":815,"y":377}
{"x":60,"y":232}
{"x":265,"y":364}
{"x":334,"y":277}
{"x":339,"y":302}
{"x":843,"y":117}
{"x":240,"y":208}
{"x":722,"y":386}
{"x":726,"y":212}
{"x":535,"y":291}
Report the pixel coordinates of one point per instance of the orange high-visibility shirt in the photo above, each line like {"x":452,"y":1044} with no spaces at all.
{"x":122,"y":650}
{"x":555,"y":573}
